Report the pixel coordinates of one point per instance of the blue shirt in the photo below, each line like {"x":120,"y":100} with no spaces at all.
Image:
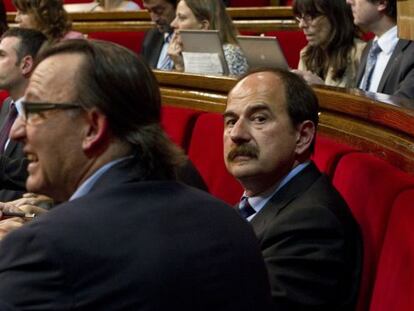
{"x":88,"y":183}
{"x":258,"y":202}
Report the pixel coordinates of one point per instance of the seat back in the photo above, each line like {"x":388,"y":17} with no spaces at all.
{"x":206,"y":152}
{"x":394,"y":285}
{"x":247,"y":3}
{"x":129,"y":39}
{"x":178,"y":123}
{"x":369,"y":185}
{"x":328,"y":152}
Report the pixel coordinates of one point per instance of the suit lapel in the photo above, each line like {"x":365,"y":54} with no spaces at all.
{"x":158,"y":44}
{"x":362,"y":64}
{"x":395,"y":57}
{"x":4,"y":110}
{"x":295,"y":187}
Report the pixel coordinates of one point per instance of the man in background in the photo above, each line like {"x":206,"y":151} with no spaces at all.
{"x":155,"y":45}
{"x":387,"y":64}
{"x":18,"y":50}
{"x":129,"y":237}
{"x":309,"y":240}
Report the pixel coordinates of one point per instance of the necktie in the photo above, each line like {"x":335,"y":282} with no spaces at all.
{"x":167,"y":63}
{"x":371,"y":61}
{"x":5,"y":130}
{"x":245,"y":209}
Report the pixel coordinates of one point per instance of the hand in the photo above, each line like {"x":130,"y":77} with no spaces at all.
{"x":10,"y":224}
{"x":309,"y":77}
{"x":175,"y":49}
{"x":30,"y":203}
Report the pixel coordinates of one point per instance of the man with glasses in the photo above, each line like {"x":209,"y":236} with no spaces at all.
{"x":18,"y":49}
{"x":387,"y":64}
{"x":129,"y":237}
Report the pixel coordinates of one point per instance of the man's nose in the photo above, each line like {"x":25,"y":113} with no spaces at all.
{"x":240,"y":132}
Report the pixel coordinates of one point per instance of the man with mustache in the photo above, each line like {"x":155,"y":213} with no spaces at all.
{"x":309,"y":240}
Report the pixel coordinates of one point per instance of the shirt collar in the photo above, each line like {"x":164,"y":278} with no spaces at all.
{"x":87,"y":185}
{"x":259,"y":201}
{"x":388,"y":40}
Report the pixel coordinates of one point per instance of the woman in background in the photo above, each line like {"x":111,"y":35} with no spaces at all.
{"x":47,"y":16}
{"x":333,"y":52}
{"x":205,"y":15}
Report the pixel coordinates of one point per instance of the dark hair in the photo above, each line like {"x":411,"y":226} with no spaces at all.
{"x":31,"y":41}
{"x":340,"y":43}
{"x":121,"y":85}
{"x":215,"y":13}
{"x":301,"y":101}
{"x":173,"y":2}
{"x":3,"y":18}
{"x":390,"y":10}
{"x":49,"y":15}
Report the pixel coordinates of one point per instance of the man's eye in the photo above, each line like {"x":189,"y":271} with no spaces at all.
{"x":259,"y":119}
{"x":229,"y":122}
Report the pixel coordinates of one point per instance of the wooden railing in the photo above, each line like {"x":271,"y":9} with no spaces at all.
{"x":253,"y":19}
{"x":382,"y":125}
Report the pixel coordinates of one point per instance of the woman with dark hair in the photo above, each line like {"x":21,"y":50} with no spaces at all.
{"x":334,"y":50}
{"x":3,"y":18}
{"x":205,"y":15}
{"x":47,"y":16}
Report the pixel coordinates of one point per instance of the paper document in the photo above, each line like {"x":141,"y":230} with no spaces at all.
{"x":202,"y":63}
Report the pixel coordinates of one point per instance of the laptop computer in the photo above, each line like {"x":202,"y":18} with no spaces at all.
{"x":263,"y":52}
{"x":204,"y":41}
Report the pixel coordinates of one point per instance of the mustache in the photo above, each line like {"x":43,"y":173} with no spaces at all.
{"x":243,"y":150}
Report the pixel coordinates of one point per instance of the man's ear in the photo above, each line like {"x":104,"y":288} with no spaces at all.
{"x":305,"y":135}
{"x":382,"y":5}
{"x":96,"y":133}
{"x":26,"y":65}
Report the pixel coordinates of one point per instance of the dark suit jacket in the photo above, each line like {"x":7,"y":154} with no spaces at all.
{"x":12,"y":165}
{"x":131,"y":244}
{"x":398,"y":77}
{"x":311,"y":245}
{"x":151,"y":46}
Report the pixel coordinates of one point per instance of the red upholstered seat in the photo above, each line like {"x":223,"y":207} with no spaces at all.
{"x":245,"y":3}
{"x":328,"y":152}
{"x":8,"y":5}
{"x":394,"y":285}
{"x":129,"y":39}
{"x":3,"y":95}
{"x":206,"y":152}
{"x":370,"y":186}
{"x":291,"y":42}
{"x":178,"y":123}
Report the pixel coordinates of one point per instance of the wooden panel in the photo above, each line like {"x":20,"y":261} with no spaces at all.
{"x":255,"y":19}
{"x":385,"y":129}
{"x":405,"y":20}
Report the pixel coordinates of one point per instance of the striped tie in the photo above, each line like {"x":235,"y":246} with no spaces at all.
{"x":371,"y":61}
{"x":245,"y":208}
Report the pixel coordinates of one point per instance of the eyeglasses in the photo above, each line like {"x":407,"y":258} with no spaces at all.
{"x":306,"y":18}
{"x":31,"y":112}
